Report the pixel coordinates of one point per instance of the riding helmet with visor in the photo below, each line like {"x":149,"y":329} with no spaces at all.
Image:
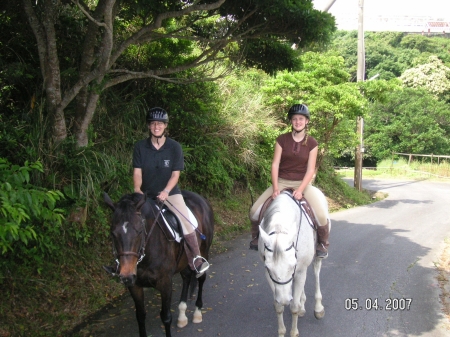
{"x":298,"y":109}
{"x":157,"y":114}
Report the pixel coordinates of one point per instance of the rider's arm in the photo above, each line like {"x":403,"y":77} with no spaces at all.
{"x":276,"y":168}
{"x":173,"y":181}
{"x":137,"y":180}
{"x":310,"y":170}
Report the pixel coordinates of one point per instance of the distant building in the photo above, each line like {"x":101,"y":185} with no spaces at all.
{"x":398,"y":23}
{"x":436,"y":27}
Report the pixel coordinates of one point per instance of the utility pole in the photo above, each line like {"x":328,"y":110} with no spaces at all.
{"x":360,"y":77}
{"x":327,"y":7}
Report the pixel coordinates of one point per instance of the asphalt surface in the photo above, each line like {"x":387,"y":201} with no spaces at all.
{"x":383,"y":254}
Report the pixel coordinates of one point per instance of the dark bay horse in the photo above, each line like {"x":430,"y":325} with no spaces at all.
{"x":149,"y":257}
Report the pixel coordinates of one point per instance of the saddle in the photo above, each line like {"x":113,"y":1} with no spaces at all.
{"x":173,"y":222}
{"x":303,"y":203}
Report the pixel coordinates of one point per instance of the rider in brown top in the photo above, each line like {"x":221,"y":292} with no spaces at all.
{"x":293,"y":166}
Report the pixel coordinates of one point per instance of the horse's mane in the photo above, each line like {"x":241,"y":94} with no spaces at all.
{"x":126,"y":206}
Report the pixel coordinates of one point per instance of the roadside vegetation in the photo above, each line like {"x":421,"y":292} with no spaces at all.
{"x":400,"y":168}
{"x":57,"y":159}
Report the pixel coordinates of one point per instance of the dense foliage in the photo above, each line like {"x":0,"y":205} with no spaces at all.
{"x":28,"y":213}
{"x":86,"y":47}
{"x":411,"y":120}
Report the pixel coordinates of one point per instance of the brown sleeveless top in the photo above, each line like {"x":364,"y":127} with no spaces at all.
{"x":294,"y":157}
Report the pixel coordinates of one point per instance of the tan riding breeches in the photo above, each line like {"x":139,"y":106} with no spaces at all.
{"x":179,"y":208}
{"x":311,"y":193}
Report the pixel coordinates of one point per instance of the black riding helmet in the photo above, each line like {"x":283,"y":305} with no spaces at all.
{"x":157,"y":114}
{"x":298,"y":109}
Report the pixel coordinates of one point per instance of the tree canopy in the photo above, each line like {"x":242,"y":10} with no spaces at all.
{"x":85,"y":47}
{"x":410,"y":121}
{"x":433,"y":76}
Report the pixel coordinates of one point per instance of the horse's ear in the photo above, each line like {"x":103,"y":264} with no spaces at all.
{"x":108,"y":201}
{"x":141,"y":202}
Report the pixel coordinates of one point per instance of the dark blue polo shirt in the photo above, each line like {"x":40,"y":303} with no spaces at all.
{"x":157,"y":165}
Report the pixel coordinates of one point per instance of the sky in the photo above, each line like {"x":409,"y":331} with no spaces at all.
{"x":396,"y":13}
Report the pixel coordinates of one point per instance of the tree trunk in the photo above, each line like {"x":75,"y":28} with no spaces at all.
{"x":44,"y":31}
{"x":84,"y":122}
{"x":86,"y":102}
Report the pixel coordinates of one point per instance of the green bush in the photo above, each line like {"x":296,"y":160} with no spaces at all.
{"x":28,"y":214}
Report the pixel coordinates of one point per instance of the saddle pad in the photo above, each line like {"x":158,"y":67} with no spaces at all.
{"x":303,"y":203}
{"x":175,"y":234}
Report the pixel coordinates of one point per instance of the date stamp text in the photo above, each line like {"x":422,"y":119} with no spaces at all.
{"x":389,"y":304}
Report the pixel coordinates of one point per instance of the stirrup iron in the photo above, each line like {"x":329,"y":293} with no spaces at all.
{"x":204,"y":265}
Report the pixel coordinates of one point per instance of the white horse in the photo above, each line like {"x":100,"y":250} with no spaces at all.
{"x":287,"y":246}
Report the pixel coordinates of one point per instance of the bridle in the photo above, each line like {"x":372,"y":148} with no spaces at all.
{"x":144,"y":240}
{"x":293,"y":246}
{"x":286,"y":250}
{"x":141,"y":254}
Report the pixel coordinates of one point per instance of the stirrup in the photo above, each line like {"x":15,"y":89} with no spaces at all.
{"x":203,"y":267}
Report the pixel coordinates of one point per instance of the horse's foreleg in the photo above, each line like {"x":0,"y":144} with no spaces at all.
{"x":198,"y":318}
{"x":137,"y":293}
{"x":166,"y":298}
{"x":182,"y":318}
{"x":298,"y":301}
{"x":279,"y":309}
{"x":319,"y":311}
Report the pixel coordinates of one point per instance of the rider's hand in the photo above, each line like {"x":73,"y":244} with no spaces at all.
{"x":163,"y":195}
{"x":275,"y":193}
{"x":297,"y":195}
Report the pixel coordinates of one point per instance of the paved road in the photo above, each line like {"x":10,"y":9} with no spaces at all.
{"x":381,"y":251}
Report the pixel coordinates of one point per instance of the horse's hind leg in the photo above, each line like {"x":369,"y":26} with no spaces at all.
{"x":182,"y":318}
{"x":319,"y":310}
{"x":137,"y":293}
{"x":198,"y":318}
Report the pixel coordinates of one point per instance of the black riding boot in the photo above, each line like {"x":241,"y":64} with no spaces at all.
{"x":255,"y":234}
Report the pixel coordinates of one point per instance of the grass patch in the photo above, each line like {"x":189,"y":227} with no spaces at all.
{"x":399,"y":168}
{"x":443,"y":277}
{"x":59,"y":298}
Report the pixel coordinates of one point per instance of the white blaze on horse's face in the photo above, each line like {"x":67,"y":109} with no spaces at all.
{"x":280,"y":261}
{"x":125,"y":227}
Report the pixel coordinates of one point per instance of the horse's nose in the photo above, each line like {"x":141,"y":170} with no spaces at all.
{"x":283,"y":297}
{"x":128,"y":280}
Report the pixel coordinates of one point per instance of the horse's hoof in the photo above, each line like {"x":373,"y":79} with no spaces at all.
{"x":301,"y":313}
{"x":319,"y":315}
{"x":182,"y":323}
{"x":198,"y":318}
